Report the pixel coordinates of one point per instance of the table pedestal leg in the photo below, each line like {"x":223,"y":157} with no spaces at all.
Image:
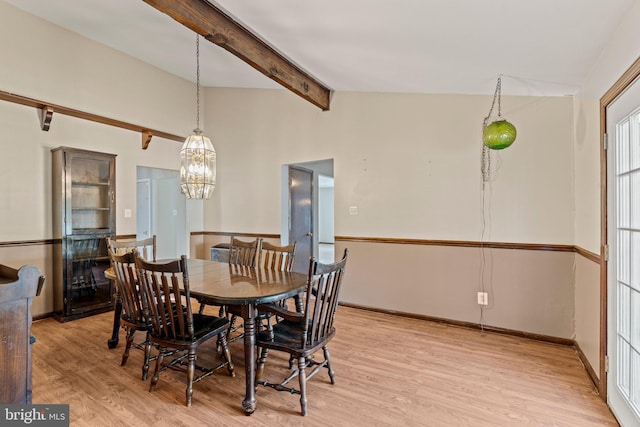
{"x":117,"y":312}
{"x":249,"y":315}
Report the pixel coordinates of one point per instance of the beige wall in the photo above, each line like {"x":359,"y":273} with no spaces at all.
{"x":43,"y":61}
{"x":616,"y":57}
{"x":411,"y":163}
{"x":529,"y":291}
{"x":587,"y":306}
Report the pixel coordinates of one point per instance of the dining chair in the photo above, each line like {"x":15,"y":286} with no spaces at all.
{"x":121,"y":247}
{"x":173,"y":326}
{"x":146,"y":247}
{"x":244,"y":253}
{"x":279,"y":258}
{"x":303,"y":334}
{"x":241,"y":253}
{"x":133,"y":317}
{"x":276,"y":257}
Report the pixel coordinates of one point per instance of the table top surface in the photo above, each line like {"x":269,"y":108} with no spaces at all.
{"x":223,"y":284}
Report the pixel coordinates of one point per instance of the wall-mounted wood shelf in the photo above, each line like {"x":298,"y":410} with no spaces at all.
{"x":48,"y":109}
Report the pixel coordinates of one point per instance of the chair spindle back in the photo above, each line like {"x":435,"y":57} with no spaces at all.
{"x":124,"y":269}
{"x":323,"y":288}
{"x":275,"y":257}
{"x":146,"y":247}
{"x":243,"y":253}
{"x":165,"y":289}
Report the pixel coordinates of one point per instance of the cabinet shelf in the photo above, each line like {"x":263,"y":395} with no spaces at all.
{"x":89,"y":184}
{"x":91,"y":209}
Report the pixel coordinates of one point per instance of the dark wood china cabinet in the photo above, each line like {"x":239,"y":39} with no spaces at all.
{"x":83,"y":189}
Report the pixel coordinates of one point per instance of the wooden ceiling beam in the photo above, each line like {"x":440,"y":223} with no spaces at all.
{"x":219,"y":28}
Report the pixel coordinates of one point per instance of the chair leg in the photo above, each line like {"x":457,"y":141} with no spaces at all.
{"x":201,"y":310}
{"x":222,"y":340}
{"x":221,"y":313}
{"x":302,"y":376}
{"x":190,"y":373}
{"x":327,"y":357}
{"x":299,"y":303}
{"x":261,"y":361}
{"x":156,"y":373}
{"x":128,"y":345}
{"x":147,"y":357}
{"x":231,"y":323}
{"x":265,"y":351}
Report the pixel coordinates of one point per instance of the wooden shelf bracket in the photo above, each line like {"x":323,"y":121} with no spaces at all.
{"x":146,"y":139}
{"x":46,"y":114}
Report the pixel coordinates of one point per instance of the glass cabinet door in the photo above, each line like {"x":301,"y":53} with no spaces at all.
{"x":87,"y":259}
{"x":91,"y":194}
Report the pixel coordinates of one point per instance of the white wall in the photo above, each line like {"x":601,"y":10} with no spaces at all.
{"x":325,"y":215}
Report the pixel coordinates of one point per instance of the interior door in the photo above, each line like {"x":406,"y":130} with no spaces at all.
{"x":623,"y":225}
{"x":301,"y":216}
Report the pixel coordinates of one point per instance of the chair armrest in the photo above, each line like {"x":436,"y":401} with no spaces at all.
{"x":291,"y":316}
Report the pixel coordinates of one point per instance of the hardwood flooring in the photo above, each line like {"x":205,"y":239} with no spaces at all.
{"x":390,"y":371}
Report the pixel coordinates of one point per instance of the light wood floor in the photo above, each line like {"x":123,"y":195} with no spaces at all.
{"x":390,"y":371}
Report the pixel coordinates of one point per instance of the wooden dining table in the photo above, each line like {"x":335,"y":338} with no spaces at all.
{"x":219,"y":283}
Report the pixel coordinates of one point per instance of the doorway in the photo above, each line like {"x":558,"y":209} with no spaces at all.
{"x":317,"y":220}
{"x":161,"y":210}
{"x":623,"y":239}
{"x":301,"y":207}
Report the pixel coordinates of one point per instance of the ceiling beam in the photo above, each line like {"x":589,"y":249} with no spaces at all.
{"x":219,"y":28}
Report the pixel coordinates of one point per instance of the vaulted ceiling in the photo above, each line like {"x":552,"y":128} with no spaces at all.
{"x":542,"y":47}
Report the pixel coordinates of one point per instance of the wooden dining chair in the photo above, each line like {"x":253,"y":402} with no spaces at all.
{"x":133,"y":317}
{"x":276,"y":257}
{"x":241,"y":253}
{"x":173,"y":326}
{"x":244,"y":253}
{"x":279,"y":258}
{"x":303,"y":334}
{"x":145,"y":247}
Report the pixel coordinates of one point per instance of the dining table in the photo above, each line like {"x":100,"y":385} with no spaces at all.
{"x":218,"y":283}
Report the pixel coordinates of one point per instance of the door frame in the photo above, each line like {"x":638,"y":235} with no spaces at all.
{"x":608,"y":98}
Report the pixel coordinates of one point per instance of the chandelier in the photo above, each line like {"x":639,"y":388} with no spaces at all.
{"x":197,"y":156}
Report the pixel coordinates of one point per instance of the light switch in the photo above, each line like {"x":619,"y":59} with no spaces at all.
{"x":353,"y":210}
{"x":127,"y":213}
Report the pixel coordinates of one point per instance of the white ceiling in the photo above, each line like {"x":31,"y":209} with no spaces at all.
{"x":541,"y":47}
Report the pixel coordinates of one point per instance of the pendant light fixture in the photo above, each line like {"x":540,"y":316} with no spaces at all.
{"x":500,"y":133}
{"x":197,"y":156}
{"x":497,"y":135}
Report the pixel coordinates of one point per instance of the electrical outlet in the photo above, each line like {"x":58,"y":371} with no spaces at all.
{"x":483,"y":298}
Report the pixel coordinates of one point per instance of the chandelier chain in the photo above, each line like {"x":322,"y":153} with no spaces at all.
{"x":485,"y":159}
{"x":497,"y":96}
{"x":197,"y":81}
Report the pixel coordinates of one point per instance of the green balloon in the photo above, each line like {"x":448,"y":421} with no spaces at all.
{"x":499,"y":134}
